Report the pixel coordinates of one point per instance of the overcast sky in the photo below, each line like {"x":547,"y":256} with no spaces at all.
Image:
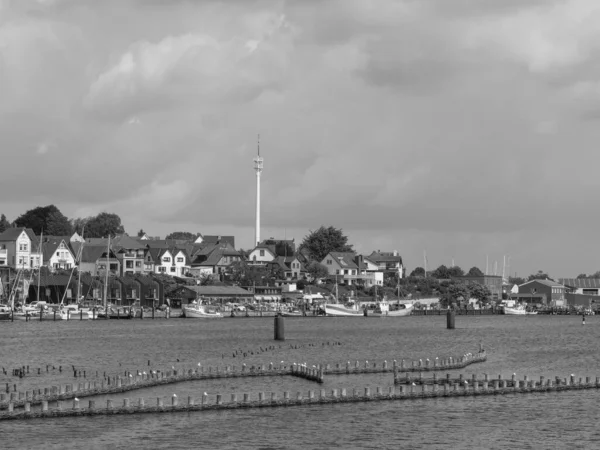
{"x":462,"y":128}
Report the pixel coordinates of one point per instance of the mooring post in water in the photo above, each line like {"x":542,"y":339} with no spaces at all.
{"x":279,"y":328}
{"x":450,"y":316}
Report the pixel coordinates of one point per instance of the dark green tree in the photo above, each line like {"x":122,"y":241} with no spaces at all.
{"x":58,"y":225}
{"x":455,"y":271}
{"x":141,"y":232}
{"x":480,"y":292}
{"x":457,"y":294}
{"x":516,"y":280}
{"x":595,"y":275}
{"x":474,"y":272}
{"x":4,"y":223}
{"x":102,"y":225}
{"x":316,"y":271}
{"x":182,"y":235}
{"x":418,"y":272}
{"x":323,"y":241}
{"x":540,"y":275}
{"x":441,"y":272}
{"x":37,"y":219}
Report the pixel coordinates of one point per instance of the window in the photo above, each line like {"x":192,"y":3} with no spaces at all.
{"x":172,"y":269}
{"x":262,"y":253}
{"x":162,"y":269}
{"x":180,"y":259}
{"x":166,"y":259}
{"x":129,"y":264}
{"x":58,"y":254}
{"x":138,"y":264}
{"x":337,"y":271}
{"x":329,"y":262}
{"x":22,"y":247}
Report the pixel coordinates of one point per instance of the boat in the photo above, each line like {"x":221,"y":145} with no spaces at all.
{"x":385,"y":309}
{"x":198,"y":311}
{"x":518,"y":310}
{"x":336,"y":309}
{"x":292,"y":313}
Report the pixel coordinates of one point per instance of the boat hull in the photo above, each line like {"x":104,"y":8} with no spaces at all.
{"x":200,"y":313}
{"x":333,"y":310}
{"x":518,"y":312}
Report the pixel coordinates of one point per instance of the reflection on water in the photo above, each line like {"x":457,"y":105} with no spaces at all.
{"x":534,"y":346}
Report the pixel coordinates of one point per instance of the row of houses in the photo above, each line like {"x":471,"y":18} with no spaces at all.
{"x":124,"y":255}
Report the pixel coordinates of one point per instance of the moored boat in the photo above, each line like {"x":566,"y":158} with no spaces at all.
{"x":197,"y":311}
{"x":340,"y":310}
{"x":518,"y":310}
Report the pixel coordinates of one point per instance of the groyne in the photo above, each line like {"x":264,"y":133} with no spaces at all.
{"x":119,"y":384}
{"x":218,"y":402}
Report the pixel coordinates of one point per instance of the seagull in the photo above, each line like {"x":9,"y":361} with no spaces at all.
{"x":174,"y":395}
{"x":76,"y":399}
{"x":199,"y":364}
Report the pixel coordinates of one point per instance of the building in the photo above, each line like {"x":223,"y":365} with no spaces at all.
{"x":213,"y":259}
{"x":554,"y":291}
{"x":388,"y":262}
{"x":130,"y":253}
{"x":351,"y":269}
{"x":586,"y":286}
{"x":493,"y":282}
{"x":262,"y":254}
{"x":57,"y":254}
{"x":93,"y":259}
{"x":291,"y":267}
{"x":19,"y":248}
{"x":221,"y":294}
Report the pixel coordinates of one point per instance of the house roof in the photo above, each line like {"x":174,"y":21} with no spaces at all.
{"x":344,"y":259}
{"x":11,"y":234}
{"x":49,"y":279}
{"x":49,"y":247}
{"x":285,"y":262}
{"x":378,"y":257}
{"x":591,"y":283}
{"x":550,"y":283}
{"x":219,"y":239}
{"x":126,"y":242}
{"x":91,"y":253}
{"x":210,"y":255}
{"x":219,"y":290}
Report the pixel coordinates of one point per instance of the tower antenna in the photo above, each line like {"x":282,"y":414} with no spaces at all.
{"x":258,"y":168}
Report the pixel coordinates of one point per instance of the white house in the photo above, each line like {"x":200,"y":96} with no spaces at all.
{"x":262,"y":254}
{"x":351,"y":269}
{"x":57,"y":254}
{"x":19,"y":248}
{"x":163,"y":263}
{"x":181,"y":262}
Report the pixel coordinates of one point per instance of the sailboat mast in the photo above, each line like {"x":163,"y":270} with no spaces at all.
{"x":106,"y":274}
{"x":40,"y":250}
{"x":79,"y":266}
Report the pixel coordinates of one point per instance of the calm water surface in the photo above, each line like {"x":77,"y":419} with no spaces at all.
{"x":533,"y":346}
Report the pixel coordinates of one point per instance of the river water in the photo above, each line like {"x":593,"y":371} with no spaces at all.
{"x":530,"y":345}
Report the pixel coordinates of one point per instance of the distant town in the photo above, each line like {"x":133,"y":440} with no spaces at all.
{"x":148,"y":270}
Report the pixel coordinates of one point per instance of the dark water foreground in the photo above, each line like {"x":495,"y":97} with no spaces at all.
{"x":534,"y":346}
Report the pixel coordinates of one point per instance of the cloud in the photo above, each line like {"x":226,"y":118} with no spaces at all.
{"x":464,"y":125}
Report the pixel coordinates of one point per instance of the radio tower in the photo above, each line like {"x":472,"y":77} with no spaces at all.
{"x":258,"y":167}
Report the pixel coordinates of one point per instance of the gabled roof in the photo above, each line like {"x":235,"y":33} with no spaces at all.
{"x":212,"y":254}
{"x":11,"y":234}
{"x":92,"y":253}
{"x":378,"y":257}
{"x":269,"y":248}
{"x":208,"y":239}
{"x":591,"y":283}
{"x":126,"y":242}
{"x":50,"y":246}
{"x":285,"y":262}
{"x":219,"y":290}
{"x":344,"y":259}
{"x":550,"y":283}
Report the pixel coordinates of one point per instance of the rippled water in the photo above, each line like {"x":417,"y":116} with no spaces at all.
{"x":533,"y":346}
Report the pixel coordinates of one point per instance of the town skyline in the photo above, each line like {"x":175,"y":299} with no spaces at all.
{"x":460,"y":131}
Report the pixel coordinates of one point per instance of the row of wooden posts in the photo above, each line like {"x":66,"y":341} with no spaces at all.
{"x":216,"y":402}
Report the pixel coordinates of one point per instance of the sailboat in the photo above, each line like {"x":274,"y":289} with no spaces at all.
{"x":339,"y":309}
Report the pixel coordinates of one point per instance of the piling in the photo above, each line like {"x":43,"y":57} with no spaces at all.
{"x":279,"y":328}
{"x":450,"y":318}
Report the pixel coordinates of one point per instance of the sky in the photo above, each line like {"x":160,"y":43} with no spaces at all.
{"x":464,"y":129}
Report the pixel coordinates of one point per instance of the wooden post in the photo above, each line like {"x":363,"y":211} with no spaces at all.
{"x":279,"y":328}
{"x":450,"y":319}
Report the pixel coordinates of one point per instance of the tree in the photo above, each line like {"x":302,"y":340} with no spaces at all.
{"x":418,"y":272}
{"x":37,"y":219}
{"x":475,"y":272}
{"x":206,"y":279}
{"x":540,"y":275}
{"x":183,"y":236}
{"x":4,"y":223}
{"x":516,"y":280}
{"x":457,"y":293}
{"x":316,"y":270}
{"x":455,"y":271}
{"x":102,"y":225}
{"x":595,"y":275}
{"x":441,"y":272}
{"x":58,"y":225}
{"x":323,"y":241}
{"x":141,"y":232}
{"x":480,"y":292}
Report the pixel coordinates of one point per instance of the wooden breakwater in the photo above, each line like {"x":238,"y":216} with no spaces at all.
{"x":434,"y":364}
{"x":218,"y":402}
{"x":141,"y":379}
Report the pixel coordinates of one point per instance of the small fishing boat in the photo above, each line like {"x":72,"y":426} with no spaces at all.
{"x":385,"y":309}
{"x":197,"y":311}
{"x":518,"y":310}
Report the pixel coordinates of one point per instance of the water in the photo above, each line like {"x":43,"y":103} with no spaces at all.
{"x":533,"y":346}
